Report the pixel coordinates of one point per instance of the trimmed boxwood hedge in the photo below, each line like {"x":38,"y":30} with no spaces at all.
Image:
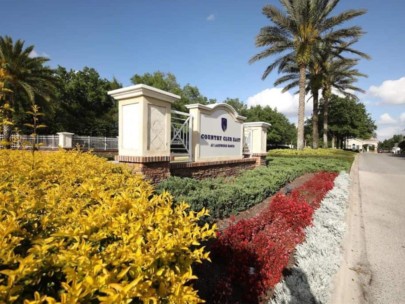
{"x":227,"y":196}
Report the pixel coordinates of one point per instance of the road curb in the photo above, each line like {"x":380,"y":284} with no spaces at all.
{"x":351,"y":283}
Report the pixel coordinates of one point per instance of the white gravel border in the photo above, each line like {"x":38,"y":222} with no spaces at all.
{"x":319,"y":257}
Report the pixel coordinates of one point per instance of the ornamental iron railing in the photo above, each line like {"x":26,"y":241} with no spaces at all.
{"x":181,"y":136}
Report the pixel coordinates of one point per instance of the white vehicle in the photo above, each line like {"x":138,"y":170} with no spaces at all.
{"x":396,"y":150}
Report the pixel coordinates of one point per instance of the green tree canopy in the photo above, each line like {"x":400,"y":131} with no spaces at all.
{"x":348,"y":118}
{"x":83,"y":106}
{"x":167,"y":81}
{"x":238,"y":105}
{"x":281,"y":130}
{"x":26,"y":79}
{"x":389,"y":143}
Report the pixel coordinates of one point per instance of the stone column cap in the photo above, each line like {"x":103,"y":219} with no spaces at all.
{"x":257,"y":124}
{"x":65,"y":133}
{"x":214,"y":106}
{"x":143,"y":90}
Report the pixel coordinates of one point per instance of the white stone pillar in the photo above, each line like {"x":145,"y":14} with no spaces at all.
{"x":65,"y":140}
{"x":256,"y":137}
{"x":144,"y":129}
{"x":144,"y":121}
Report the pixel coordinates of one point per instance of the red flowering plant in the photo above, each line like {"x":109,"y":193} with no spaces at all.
{"x":254,"y":252}
{"x":314,"y":190}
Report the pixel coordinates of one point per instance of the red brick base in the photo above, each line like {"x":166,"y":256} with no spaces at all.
{"x":156,"y":171}
{"x":201,"y":170}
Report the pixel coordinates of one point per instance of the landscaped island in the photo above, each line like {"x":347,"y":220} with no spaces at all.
{"x":76,"y":228}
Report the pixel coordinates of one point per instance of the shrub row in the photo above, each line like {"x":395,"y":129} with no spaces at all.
{"x":76,"y":229}
{"x":255,"y":251}
{"x":308,"y":152}
{"x":227,"y":196}
{"x":318,"y":257}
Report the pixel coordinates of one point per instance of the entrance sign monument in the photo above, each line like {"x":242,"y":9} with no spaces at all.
{"x":217,"y":132}
{"x":217,"y":136}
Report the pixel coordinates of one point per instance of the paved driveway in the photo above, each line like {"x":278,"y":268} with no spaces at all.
{"x":373,"y":270}
{"x":382,"y":193}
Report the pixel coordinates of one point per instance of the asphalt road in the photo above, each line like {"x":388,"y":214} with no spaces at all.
{"x":373,"y":265}
{"x":382,"y":195}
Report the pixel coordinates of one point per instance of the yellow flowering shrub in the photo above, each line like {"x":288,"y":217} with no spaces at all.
{"x":76,"y":229}
{"x":308,"y":152}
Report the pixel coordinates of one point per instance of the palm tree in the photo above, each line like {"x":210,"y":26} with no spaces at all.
{"x":27,"y":77}
{"x":339,"y":74}
{"x":314,"y":80}
{"x":295,"y":34}
{"x":317,"y":70}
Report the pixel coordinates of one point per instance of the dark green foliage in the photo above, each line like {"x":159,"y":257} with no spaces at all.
{"x":389,"y":143}
{"x":82,"y":105}
{"x":167,"y":81}
{"x":227,"y":196}
{"x":281,"y":130}
{"x":348,"y":118}
{"x":27,"y":80}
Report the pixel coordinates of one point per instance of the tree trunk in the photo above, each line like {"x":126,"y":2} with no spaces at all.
{"x":301,"y":109}
{"x":315,"y":119}
{"x":325,"y":118}
{"x":7,"y":129}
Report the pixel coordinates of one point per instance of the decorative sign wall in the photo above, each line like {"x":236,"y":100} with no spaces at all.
{"x":218,"y":131}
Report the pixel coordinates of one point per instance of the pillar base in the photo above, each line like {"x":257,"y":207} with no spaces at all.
{"x":260,"y":159}
{"x":153,"y":168}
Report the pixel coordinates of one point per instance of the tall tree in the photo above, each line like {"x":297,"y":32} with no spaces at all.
{"x":28,"y":79}
{"x":349,"y":118}
{"x":295,"y":34}
{"x":281,"y":130}
{"x":167,"y":82}
{"x":327,"y":68}
{"x":389,"y":143}
{"x":339,"y":74}
{"x":83,"y":106}
{"x":238,"y":105}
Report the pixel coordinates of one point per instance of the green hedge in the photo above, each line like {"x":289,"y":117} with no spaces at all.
{"x":318,"y":153}
{"x":227,"y":196}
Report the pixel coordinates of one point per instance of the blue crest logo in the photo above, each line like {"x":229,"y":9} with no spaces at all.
{"x":224,"y":124}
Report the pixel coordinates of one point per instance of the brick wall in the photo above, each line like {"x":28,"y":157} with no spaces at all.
{"x":157,"y":169}
{"x":154,"y":172}
{"x":201,"y":170}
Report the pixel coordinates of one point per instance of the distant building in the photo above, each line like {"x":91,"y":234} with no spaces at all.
{"x":357,"y":144}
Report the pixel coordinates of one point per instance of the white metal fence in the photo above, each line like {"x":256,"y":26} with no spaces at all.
{"x":26,"y":141}
{"x":95,"y":143}
{"x":45,"y":142}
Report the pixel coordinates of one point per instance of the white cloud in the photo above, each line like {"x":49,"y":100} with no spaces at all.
{"x":285,"y":103}
{"x":211,"y":17}
{"x":390,"y":91}
{"x":386,"y":119}
{"x":34,"y":54}
{"x":388,"y":132}
{"x":389,"y":125}
{"x":402,"y":118}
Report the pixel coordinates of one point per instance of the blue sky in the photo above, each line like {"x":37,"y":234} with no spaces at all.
{"x":206,"y":43}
